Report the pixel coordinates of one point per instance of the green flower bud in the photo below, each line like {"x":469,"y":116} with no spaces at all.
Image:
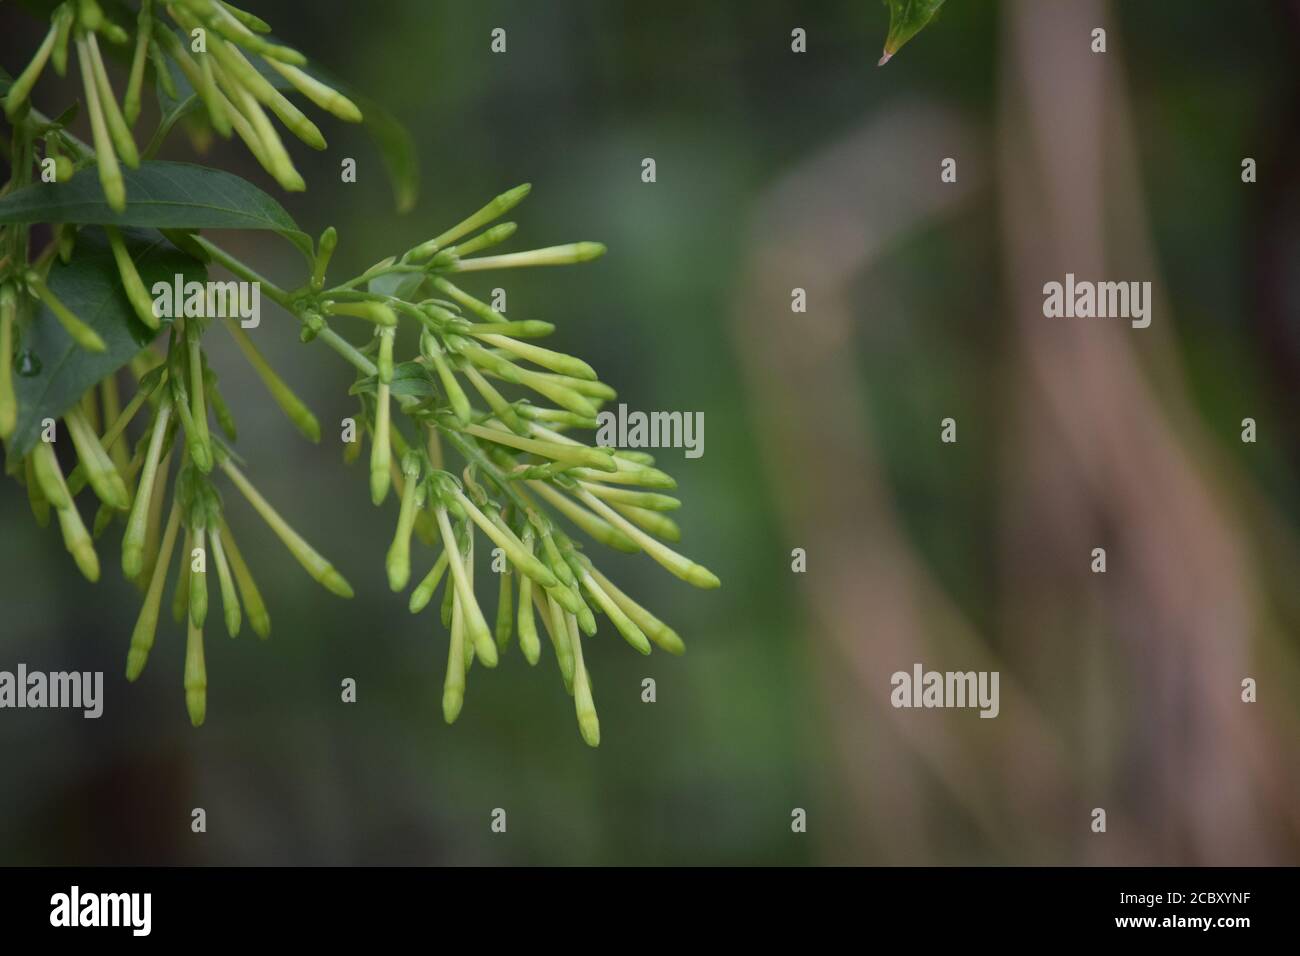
{"x":678,"y":565}
{"x":200,"y":439}
{"x":100,"y":471}
{"x":648,"y":500}
{"x":399,"y":553}
{"x":225,"y":420}
{"x":625,"y":625}
{"x":455,"y":394}
{"x":329,"y":240}
{"x":380,"y":455}
{"x":367,"y":309}
{"x":453,"y":688}
{"x":252,"y":598}
{"x":234,"y":29}
{"x":570,"y":254}
{"x":89,"y":15}
{"x":181,"y":594}
{"x":558,"y":629}
{"x":565,"y":597}
{"x":556,"y":390}
{"x":484,"y":240}
{"x":135,"y":81}
{"x":8,"y":398}
{"x":146,"y":625}
{"x":574,"y":454}
{"x":547,"y":358}
{"x":505,"y":608}
{"x":448,"y":602}
{"x":229,"y":600}
{"x":253,"y":22}
{"x":161,"y":69}
{"x":588,"y":723}
{"x":198,"y":592}
{"x":45,"y":467}
{"x":528,"y":642}
{"x":196,"y":676}
{"x":384,"y":366}
{"x":629,"y":475}
{"x":315,"y":565}
{"x":141,"y":301}
{"x":467,"y":558}
{"x":327,"y":98}
{"x":148,"y":387}
{"x":587,"y":387}
{"x":253,"y":88}
{"x":112,"y":404}
{"x":655,"y":629}
{"x":289,"y":403}
{"x":551,"y":552}
{"x":424,"y":591}
{"x":79,"y":331}
{"x":198,"y":450}
{"x":221,"y":113}
{"x":496,"y":208}
{"x":595,"y":526}
{"x":36,"y":499}
{"x":22,"y":85}
{"x":137,"y":523}
{"x":259,"y":134}
{"x":659,"y":525}
{"x":505,"y":539}
{"x":500,"y":407}
{"x":476,"y":626}
{"x":75,"y":537}
{"x":63,"y":20}
{"x":78,"y":542}
{"x":119,"y":132}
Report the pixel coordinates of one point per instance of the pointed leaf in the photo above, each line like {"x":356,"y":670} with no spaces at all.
{"x":90,"y":287}
{"x":906,"y":19}
{"x":160,"y":195}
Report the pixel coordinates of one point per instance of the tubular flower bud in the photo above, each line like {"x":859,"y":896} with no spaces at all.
{"x":488,"y":458}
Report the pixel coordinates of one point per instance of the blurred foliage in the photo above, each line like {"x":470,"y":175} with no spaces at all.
{"x":710,"y":772}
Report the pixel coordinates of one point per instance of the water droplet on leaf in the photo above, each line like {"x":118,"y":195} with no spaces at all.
{"x":29,"y":363}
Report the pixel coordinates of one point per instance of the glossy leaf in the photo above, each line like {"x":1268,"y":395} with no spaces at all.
{"x":160,"y":195}
{"x":90,"y":287}
{"x":907,"y":18}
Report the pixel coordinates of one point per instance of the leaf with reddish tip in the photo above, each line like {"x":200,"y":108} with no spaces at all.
{"x":907,"y":18}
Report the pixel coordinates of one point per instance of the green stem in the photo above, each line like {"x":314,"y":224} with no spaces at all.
{"x":238,"y":268}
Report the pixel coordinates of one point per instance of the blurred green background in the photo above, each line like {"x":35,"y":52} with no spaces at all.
{"x":778,"y":702}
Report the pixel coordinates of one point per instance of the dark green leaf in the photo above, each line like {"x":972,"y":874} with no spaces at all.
{"x":401,"y":285}
{"x":906,"y":19}
{"x":411,"y":379}
{"x":89,"y":285}
{"x":159,"y":195}
{"x":395,"y":146}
